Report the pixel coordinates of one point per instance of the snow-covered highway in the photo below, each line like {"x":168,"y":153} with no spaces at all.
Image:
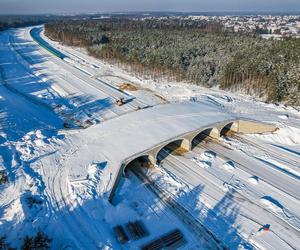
{"x":84,"y":97}
{"x":285,"y":182}
{"x":247,"y":197}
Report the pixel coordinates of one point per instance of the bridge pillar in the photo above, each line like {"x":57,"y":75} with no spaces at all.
{"x":152,"y":159}
{"x":186,"y":144}
{"x":214,"y":133}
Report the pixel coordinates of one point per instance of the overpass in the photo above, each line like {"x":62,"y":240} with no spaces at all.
{"x":190,"y":139}
{"x":146,"y":132}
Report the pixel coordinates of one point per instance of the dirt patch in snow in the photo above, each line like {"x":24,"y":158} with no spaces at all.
{"x":128,"y":86}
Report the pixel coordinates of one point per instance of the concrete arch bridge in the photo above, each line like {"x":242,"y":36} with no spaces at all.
{"x":146,"y":132}
{"x":188,"y":140}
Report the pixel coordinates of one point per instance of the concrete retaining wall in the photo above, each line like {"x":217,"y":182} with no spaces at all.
{"x":251,"y":127}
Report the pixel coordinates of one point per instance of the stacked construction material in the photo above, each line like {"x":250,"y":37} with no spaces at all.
{"x":172,"y":240}
{"x":136,"y":230}
{"x":132,"y":230}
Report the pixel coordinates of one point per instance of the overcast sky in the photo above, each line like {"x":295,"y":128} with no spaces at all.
{"x":83,"y":6}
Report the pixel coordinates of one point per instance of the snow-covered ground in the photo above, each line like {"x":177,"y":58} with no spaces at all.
{"x":59,"y":183}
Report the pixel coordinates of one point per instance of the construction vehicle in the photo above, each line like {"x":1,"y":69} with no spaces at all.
{"x":120,"y":101}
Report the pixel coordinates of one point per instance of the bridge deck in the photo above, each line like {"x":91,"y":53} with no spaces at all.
{"x":120,"y":138}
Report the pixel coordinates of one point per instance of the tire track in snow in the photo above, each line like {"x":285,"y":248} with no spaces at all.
{"x":238,"y":197}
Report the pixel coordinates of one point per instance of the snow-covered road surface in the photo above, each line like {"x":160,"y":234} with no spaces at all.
{"x":281,"y":180}
{"x":216,"y":183}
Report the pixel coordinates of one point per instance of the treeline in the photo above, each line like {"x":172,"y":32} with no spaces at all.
{"x":13,"y":21}
{"x":17,"y":21}
{"x":191,"y":50}
{"x":270,"y":69}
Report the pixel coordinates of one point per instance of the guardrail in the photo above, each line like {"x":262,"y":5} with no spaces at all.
{"x":44,"y":44}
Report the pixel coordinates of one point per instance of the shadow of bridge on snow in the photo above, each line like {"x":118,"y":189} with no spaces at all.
{"x":219,"y":219}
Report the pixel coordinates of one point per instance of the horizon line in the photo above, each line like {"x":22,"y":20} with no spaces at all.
{"x":74,"y":13}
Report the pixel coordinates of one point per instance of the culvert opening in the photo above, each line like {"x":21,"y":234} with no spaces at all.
{"x":175,"y":148}
{"x":228,"y":130}
{"x":137,"y":163}
{"x":201,"y":137}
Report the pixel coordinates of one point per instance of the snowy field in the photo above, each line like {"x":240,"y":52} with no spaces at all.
{"x":242,"y":189}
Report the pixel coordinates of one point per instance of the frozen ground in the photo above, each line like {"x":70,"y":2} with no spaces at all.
{"x":234,"y":186}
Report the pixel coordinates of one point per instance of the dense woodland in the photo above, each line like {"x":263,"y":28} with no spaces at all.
{"x":195,"y":51}
{"x":14,"y":21}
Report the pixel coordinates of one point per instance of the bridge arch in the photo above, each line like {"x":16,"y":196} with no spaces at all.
{"x":179,"y":145}
{"x":142,"y":160}
{"x":229,"y":127}
{"x":198,"y":138}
